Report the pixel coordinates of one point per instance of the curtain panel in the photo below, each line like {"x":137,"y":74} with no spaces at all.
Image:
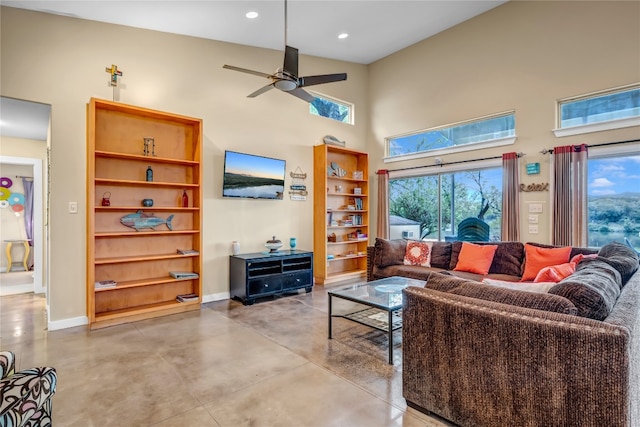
{"x":510,"y":197}
{"x":382,"y":230}
{"x":570,"y":195}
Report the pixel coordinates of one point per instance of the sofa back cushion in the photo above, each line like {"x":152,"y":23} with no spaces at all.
{"x":539,"y":301}
{"x":389,"y":252}
{"x":507,"y":259}
{"x":535,"y":300}
{"x":392,"y":252}
{"x":622,"y":258}
{"x":593,"y":288}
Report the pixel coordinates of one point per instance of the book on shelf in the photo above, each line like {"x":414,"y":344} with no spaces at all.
{"x":183,"y":274}
{"x":187,"y":297}
{"x":104,"y":284}
{"x":187,"y":252}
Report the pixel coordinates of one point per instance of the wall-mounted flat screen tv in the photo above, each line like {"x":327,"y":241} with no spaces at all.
{"x":252,"y":177}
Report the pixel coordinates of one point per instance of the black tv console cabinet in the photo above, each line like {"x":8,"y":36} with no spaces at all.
{"x":263,"y":274}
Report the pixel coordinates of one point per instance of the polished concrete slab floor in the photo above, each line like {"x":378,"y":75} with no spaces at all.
{"x":269,"y":364}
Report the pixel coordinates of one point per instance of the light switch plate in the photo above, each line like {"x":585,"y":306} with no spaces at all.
{"x":535,"y":208}
{"x":533,"y":229}
{"x":73,"y":207}
{"x":533,"y":219}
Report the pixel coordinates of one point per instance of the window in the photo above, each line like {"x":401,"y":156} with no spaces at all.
{"x":612,"y":109}
{"x":614,"y":199}
{"x":331,"y":108}
{"x":439,"y":202}
{"x":464,"y":136}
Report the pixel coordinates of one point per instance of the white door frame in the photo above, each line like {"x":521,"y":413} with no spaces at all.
{"x":39,"y":286}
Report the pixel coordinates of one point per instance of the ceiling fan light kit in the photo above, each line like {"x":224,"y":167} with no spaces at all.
{"x":286,"y":78}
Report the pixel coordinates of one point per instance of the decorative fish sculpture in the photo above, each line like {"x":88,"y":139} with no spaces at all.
{"x":140,"y":220}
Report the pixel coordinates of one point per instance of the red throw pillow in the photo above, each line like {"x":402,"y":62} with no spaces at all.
{"x":555,"y":273}
{"x":475,"y":258}
{"x":537,"y":258}
{"x":418,"y":253}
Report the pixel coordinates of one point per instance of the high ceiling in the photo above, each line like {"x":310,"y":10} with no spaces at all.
{"x":376,"y":28}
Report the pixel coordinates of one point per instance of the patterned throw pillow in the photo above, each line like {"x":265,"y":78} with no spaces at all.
{"x":418,"y":253}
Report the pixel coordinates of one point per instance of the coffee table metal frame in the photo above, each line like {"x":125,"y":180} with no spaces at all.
{"x":377,"y":303}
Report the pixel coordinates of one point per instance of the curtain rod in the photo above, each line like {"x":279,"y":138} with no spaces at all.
{"x":550,"y":151}
{"x":449,"y":163}
{"x":21,"y":176}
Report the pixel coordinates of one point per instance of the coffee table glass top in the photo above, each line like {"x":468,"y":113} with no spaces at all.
{"x":383,"y":293}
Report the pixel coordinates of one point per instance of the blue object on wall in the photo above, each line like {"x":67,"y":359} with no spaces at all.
{"x":533,"y":168}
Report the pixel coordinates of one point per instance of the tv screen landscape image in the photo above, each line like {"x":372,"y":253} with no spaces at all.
{"x":252,"y":177}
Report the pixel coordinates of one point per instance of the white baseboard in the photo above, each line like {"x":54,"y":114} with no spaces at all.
{"x":216,"y":297}
{"x":84,"y":320}
{"x":55,"y":325}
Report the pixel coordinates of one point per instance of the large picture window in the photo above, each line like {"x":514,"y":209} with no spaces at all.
{"x":465,"y":135}
{"x":614,"y":200}
{"x":434,"y":205}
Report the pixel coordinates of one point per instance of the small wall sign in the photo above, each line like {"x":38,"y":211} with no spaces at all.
{"x":533,"y":168}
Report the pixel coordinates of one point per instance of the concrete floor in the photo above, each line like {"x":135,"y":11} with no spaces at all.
{"x":269,"y":364}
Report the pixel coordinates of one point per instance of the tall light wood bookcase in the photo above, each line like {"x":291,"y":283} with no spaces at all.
{"x":140,"y":261}
{"x":341,"y":215}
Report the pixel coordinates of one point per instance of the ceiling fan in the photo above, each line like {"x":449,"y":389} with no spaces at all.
{"x":286,"y":78}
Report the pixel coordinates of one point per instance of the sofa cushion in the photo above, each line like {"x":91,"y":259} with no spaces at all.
{"x":475,"y":258}
{"x":410,"y":271}
{"x":622,"y":258}
{"x":418,"y":253}
{"x":593,"y":288}
{"x":536,"y":258}
{"x":507,"y":259}
{"x":389,"y":252}
{"x":445,"y":282}
{"x":535,"y":300}
{"x":441,"y":255}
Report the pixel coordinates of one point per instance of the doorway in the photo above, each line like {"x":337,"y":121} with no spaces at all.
{"x":24,"y":143}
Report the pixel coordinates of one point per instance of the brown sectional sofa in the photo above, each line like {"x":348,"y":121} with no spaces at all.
{"x":480,"y":355}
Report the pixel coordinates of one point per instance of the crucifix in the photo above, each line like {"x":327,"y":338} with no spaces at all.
{"x":113,"y":81}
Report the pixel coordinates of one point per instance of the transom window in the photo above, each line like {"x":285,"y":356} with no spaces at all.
{"x":603,"y":107}
{"x":472,"y":134}
{"x":331,"y":108}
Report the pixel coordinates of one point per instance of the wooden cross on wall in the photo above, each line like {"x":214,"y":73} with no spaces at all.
{"x":114,"y":73}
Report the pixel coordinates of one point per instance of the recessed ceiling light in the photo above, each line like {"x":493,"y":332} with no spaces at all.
{"x":343,"y":35}
{"x":251,"y":15}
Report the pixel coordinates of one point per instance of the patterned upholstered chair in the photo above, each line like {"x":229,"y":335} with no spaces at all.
{"x":25,"y":396}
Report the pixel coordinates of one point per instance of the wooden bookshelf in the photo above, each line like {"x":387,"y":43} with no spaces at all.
{"x":140,"y":260}
{"x":339,"y":210}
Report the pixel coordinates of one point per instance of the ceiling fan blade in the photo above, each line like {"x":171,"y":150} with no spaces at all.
{"x":318,"y":80}
{"x":260,"y":91}
{"x":244,"y":70}
{"x":302,"y":94}
{"x":291,"y":61}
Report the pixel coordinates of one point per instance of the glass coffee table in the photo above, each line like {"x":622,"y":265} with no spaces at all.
{"x":383,"y":301}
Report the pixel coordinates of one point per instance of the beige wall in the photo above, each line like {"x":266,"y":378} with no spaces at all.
{"x":61,"y":61}
{"x":521,"y":56}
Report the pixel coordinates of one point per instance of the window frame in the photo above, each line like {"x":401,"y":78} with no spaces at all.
{"x":604,"y":125}
{"x":480,"y":145}
{"x":604,"y":152}
{"x":444,"y":170}
{"x":350,"y":107}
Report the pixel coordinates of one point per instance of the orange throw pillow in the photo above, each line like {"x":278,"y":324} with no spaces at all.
{"x":418,"y":253}
{"x":555,"y":273}
{"x":537,"y":258}
{"x":475,"y":258}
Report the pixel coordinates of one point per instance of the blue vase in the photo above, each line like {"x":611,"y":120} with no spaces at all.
{"x":292,"y":243}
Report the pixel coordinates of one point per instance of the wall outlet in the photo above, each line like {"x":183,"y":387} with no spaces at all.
{"x":533,"y":229}
{"x":73,"y":207}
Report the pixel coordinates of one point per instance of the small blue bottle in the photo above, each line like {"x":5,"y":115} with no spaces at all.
{"x":149,"y":174}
